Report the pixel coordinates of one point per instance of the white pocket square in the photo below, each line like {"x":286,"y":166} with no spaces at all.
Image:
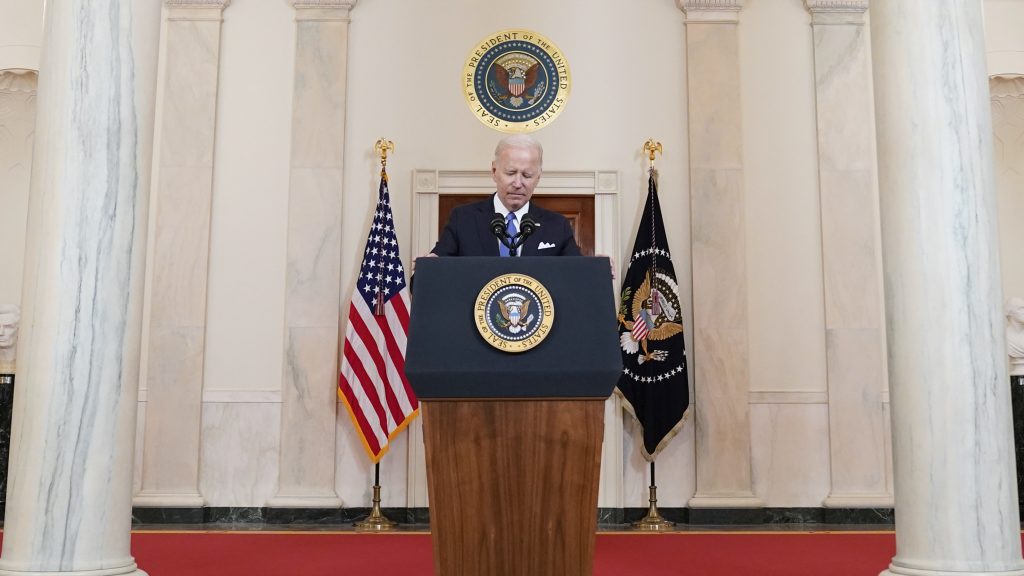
{"x":544,"y":245}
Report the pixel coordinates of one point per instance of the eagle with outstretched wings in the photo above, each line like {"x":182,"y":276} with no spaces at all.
{"x":654,"y":319}
{"x":515,"y":313}
{"x":516,"y":80}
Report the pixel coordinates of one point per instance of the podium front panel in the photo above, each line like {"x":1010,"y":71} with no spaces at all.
{"x":448,"y":358}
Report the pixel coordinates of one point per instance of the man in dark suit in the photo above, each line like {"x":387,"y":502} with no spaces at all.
{"x":516,"y":170}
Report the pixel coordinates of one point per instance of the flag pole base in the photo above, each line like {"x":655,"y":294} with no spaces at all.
{"x":376,"y":521}
{"x":653,"y":522}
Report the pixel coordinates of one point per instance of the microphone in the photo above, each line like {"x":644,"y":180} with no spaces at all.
{"x":499,"y":231}
{"x":498,"y":226}
{"x":528,"y":226}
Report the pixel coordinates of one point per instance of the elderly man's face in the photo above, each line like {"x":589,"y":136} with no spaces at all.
{"x":8,"y":330}
{"x":516,"y":172}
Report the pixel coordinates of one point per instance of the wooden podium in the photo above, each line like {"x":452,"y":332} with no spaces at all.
{"x":513,"y":441}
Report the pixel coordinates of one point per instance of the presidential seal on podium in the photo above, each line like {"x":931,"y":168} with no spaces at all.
{"x":516,"y":81}
{"x":514,"y":312}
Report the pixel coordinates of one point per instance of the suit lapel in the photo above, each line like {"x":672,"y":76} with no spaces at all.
{"x":530,"y":247}
{"x":488,"y":243}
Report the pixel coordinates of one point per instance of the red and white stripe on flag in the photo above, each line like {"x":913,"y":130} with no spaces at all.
{"x":373,"y":385}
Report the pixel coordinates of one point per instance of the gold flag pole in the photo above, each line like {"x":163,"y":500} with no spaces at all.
{"x":376,"y":521}
{"x":653,"y":521}
{"x":381,"y":147}
{"x":651,"y":147}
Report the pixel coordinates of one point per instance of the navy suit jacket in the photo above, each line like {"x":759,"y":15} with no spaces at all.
{"x":468,"y":233}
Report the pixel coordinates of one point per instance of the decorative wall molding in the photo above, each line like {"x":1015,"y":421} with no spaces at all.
{"x":687,"y":5}
{"x":711,"y":11}
{"x":1001,"y":86}
{"x":836,"y":5}
{"x":19,"y":80}
{"x":322,"y":10}
{"x":218,"y":4}
{"x":196,"y":10}
{"x":788,"y":397}
{"x":241,"y":396}
{"x":323,"y":4}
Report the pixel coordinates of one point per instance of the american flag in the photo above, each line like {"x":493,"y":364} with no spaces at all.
{"x":373,"y":384}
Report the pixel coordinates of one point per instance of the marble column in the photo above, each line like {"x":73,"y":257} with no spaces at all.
{"x":718,"y":221}
{"x":956,"y":501}
{"x":181,"y":249}
{"x":69,"y":493}
{"x":310,"y":384}
{"x":854,"y":331}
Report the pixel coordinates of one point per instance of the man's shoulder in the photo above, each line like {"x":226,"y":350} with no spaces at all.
{"x":486,"y":205}
{"x":542,"y":214}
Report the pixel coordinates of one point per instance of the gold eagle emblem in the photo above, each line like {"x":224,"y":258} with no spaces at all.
{"x":655,"y":318}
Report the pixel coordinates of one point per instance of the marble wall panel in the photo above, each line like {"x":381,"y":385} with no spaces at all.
{"x":718,"y":245}
{"x":179,"y":267}
{"x":790,"y":454}
{"x":313,"y":275}
{"x":852,"y":268}
{"x":843,"y":91}
{"x":1008,"y":126}
{"x":311,"y":357}
{"x":179,"y":274}
{"x":713,"y":96}
{"x":191,"y":69}
{"x":851,"y":257}
{"x":722,"y":413}
{"x":314,"y":244}
{"x":717,"y":202}
{"x":857,"y":419}
{"x":319,"y":98}
{"x":17,"y":129}
{"x":239,"y":465}
{"x":171,"y":473}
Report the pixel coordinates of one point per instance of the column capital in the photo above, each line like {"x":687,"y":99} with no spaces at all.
{"x":196,"y":9}
{"x":837,"y":11}
{"x":216,"y":4}
{"x":18,"y":80}
{"x":1000,"y":86}
{"x":322,"y":9}
{"x":711,"y":11}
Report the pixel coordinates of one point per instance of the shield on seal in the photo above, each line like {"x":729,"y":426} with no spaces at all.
{"x":516,"y":86}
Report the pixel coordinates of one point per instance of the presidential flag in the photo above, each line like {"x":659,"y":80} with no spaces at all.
{"x":373,"y":384}
{"x":653,"y":384}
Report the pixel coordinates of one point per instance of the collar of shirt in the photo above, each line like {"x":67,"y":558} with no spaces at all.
{"x":500,"y":208}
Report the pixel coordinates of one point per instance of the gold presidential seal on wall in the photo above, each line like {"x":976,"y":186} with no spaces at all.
{"x":516,"y":81}
{"x":514,"y":312}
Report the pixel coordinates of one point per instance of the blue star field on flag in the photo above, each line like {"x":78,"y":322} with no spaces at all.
{"x":381,"y":276}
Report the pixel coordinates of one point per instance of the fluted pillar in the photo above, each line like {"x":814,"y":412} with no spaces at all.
{"x":717,"y":206}
{"x":69,"y":493}
{"x":313,"y":289}
{"x":851,"y":256}
{"x":956,"y":500}
{"x":179,"y":268}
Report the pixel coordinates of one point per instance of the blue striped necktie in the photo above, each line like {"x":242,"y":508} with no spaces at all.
{"x":510,"y":228}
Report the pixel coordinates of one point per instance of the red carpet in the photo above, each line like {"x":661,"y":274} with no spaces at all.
{"x":676,"y":554}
